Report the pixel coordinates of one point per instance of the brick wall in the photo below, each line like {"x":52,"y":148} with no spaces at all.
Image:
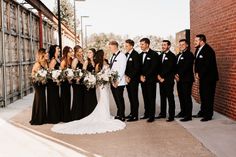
{"x":217,"y":20}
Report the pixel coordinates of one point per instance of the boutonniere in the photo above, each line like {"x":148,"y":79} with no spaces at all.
{"x":166,"y":58}
{"x":200,"y":56}
{"x":182,"y":58}
{"x":130,"y":59}
{"x":148,"y":58}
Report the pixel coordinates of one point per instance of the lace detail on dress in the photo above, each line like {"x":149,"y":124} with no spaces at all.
{"x":99,"y":121}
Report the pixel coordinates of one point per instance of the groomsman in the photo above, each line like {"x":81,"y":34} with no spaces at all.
{"x":207,"y":74}
{"x":149,"y":62}
{"x":184,"y":77}
{"x":132,"y":79}
{"x":118,"y":63}
{"x":166,"y":79}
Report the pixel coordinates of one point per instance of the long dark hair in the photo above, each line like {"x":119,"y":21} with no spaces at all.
{"x":99,"y":59}
{"x":52,"y":51}
{"x":94,"y":53}
{"x":65,"y":52}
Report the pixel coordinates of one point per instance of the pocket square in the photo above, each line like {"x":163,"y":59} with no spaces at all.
{"x":182,"y":58}
{"x":130,"y":59}
{"x":148,"y":58}
{"x":200,"y":56}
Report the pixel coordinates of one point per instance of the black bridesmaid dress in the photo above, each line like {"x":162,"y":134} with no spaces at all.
{"x":38,"y":116}
{"x":78,"y":98}
{"x":53,"y":100}
{"x":65,"y":101}
{"x":90,"y":98}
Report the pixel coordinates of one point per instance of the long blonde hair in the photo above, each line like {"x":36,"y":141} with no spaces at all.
{"x":41,"y":56}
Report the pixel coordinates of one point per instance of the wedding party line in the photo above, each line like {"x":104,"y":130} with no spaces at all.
{"x":86,"y":113}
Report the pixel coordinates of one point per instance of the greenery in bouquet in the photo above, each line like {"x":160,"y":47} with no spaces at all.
{"x":114,"y":76}
{"x":89,"y":79}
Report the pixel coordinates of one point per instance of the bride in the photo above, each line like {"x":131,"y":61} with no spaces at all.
{"x":100,"y":120}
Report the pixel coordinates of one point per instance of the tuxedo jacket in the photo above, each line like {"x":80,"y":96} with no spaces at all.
{"x":133,"y":66}
{"x":167,"y":67}
{"x":184,"y":67}
{"x":205,"y":64}
{"x":118,"y":63}
{"x":149,"y":66}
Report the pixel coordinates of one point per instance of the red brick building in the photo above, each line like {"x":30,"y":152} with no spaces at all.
{"x":217,"y":20}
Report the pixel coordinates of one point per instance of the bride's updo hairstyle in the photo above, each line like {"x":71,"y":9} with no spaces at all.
{"x":99,"y":59}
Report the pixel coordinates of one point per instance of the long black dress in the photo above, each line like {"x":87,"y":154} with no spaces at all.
{"x":38,"y":116}
{"x":53,"y":100}
{"x":90,"y":98}
{"x":78,"y":98}
{"x":65,"y":101}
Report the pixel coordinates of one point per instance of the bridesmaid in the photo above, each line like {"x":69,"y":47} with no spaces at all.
{"x":90,"y":98}
{"x":66,"y":86}
{"x":39,"y":105}
{"x":78,"y":90}
{"x":53,"y":97}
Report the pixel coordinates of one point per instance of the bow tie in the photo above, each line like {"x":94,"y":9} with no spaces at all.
{"x":127,"y":54}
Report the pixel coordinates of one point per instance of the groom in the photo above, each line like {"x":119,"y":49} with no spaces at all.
{"x":118,"y":63}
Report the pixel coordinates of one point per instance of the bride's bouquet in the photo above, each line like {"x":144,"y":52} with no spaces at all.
{"x":114,"y":76}
{"x":89,"y":80}
{"x":56,"y":76}
{"x":40,"y":77}
{"x":103,"y":77}
{"x":78,"y":74}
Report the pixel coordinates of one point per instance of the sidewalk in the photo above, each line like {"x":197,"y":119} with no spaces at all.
{"x":218,"y":135}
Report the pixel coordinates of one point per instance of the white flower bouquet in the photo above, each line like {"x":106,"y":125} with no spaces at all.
{"x":56,"y":76}
{"x":78,"y":74}
{"x":67,"y":74}
{"x":89,"y":80}
{"x":104,"y":77}
{"x":40,"y":77}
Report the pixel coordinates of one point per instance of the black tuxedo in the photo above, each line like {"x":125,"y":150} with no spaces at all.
{"x":206,"y":67}
{"x":133,"y":72}
{"x":184,"y":68}
{"x":148,"y":69}
{"x":167,"y":71}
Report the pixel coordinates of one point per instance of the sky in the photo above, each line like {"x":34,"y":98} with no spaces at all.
{"x":133,"y":17}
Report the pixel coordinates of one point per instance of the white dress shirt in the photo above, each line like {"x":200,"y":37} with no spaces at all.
{"x":200,"y":48}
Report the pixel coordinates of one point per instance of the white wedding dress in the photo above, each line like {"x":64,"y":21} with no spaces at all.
{"x":99,"y":121}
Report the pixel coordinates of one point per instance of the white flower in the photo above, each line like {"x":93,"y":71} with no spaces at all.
{"x":42,"y":72}
{"x":70,"y":72}
{"x":56,"y":74}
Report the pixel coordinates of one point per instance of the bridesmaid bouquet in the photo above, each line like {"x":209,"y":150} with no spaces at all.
{"x":67,"y":74}
{"x":40,"y":77}
{"x":56,"y":76}
{"x":78,"y":74}
{"x":89,"y":80}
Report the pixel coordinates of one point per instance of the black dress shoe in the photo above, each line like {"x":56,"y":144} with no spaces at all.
{"x":170,"y":119}
{"x":132,"y":119}
{"x":117,"y":117}
{"x":205,"y":119}
{"x":144,"y":117}
{"x":185,"y":119}
{"x":160,"y":116}
{"x":179,"y":115}
{"x":151,"y":119}
{"x":129,"y":116}
{"x":197,"y":116}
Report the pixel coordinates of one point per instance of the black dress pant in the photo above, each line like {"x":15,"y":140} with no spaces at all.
{"x":149,"y":97}
{"x":166,"y":92}
{"x":132,"y":89}
{"x":184,"y":92}
{"x":119,"y":100}
{"x":207,"y":94}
